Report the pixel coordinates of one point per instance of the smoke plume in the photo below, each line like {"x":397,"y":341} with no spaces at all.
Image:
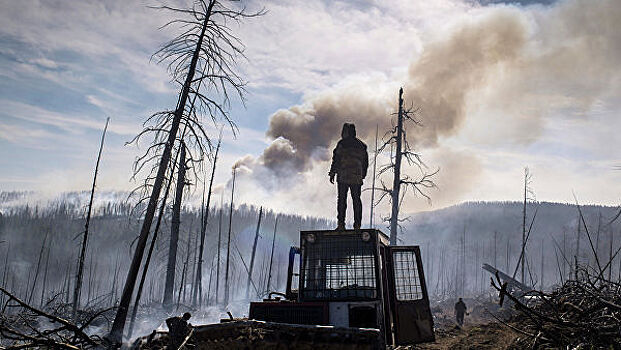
{"x":509,"y":68}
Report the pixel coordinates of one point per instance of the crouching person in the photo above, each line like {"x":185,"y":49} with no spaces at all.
{"x":178,"y":330}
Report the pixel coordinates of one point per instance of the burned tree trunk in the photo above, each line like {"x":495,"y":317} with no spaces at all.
{"x":67,"y":282}
{"x":174,"y":234}
{"x":209,"y":285}
{"x":44,"y":287}
{"x":269,"y":271}
{"x":542,"y":266}
{"x":116,"y":332}
{"x":371,"y":224}
{"x":90,"y":280}
{"x":79,"y":274}
{"x":565,"y":254}
{"x":194,"y":262}
{"x":610,"y":257}
{"x":400,"y":149}
{"x":189,"y":50}
{"x":6,"y":269}
{"x":577,"y":250}
{"x":254,"y":250}
{"x":115,"y":276}
{"x":396,"y":185}
{"x":34,"y":283}
{"x":523,"y":254}
{"x":228,"y":245}
{"x":148,"y":260}
{"x":183,"y":273}
{"x":219,"y":247}
{"x":495,"y":248}
{"x":198,"y":289}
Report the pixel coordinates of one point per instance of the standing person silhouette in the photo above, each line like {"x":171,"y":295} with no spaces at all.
{"x":350,"y":161}
{"x":460,"y":310}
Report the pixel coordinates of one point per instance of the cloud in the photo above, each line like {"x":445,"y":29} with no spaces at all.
{"x":45,"y":63}
{"x":25,"y":136}
{"x":95,"y":101}
{"x":71,"y":34}
{"x":520,"y":2}
{"x":508,"y":68}
{"x":68,"y":123}
{"x":312,"y":45}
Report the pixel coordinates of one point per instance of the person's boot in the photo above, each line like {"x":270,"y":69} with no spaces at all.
{"x":356,"y":227}
{"x":340,"y":227}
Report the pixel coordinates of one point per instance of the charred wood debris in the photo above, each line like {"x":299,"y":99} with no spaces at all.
{"x":23,"y":326}
{"x":583,"y":312}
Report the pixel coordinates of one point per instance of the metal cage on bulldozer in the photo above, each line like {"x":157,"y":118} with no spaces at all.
{"x":354,"y":279}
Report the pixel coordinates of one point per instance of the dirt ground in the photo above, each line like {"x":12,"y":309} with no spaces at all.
{"x":482,"y":336}
{"x":480,"y":330}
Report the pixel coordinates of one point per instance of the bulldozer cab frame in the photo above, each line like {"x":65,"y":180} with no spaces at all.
{"x":367,"y":293}
{"x":407,"y":295}
{"x":361,"y":281}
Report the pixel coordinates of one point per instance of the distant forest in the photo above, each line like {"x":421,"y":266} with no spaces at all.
{"x":42,"y":239}
{"x":554,"y":240}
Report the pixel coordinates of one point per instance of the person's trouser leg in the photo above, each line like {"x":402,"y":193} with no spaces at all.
{"x":460,"y":319}
{"x":341,"y":203}
{"x":355,"y":196}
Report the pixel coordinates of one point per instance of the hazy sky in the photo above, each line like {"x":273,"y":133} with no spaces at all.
{"x":501,"y":85}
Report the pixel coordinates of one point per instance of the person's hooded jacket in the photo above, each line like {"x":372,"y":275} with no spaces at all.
{"x":350,"y":159}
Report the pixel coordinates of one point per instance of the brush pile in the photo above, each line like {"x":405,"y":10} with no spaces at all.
{"x":582,"y":313}
{"x":23,"y":326}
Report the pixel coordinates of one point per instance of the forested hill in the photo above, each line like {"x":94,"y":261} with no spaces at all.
{"x":455,"y":241}
{"x":481,"y":219}
{"x":35,"y":231}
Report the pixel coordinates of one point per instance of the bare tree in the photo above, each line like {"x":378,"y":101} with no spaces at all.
{"x":182,"y":285}
{"x":254,"y":250}
{"x":150,"y":252}
{"x":400,"y":148}
{"x":269,"y":271}
{"x":199,"y":267}
{"x":228,"y":244}
{"x":47,"y":261}
{"x":80,"y":271}
{"x":371,"y":223}
{"x":528,"y":195}
{"x":148,"y":259}
{"x":174,"y":234}
{"x":202,"y":61}
{"x":34,"y":283}
{"x":219,"y":246}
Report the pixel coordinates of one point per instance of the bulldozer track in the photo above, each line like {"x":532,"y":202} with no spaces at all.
{"x":270,"y":335}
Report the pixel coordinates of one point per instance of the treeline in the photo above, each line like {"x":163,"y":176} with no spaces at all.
{"x":456,"y":241}
{"x":40,"y":246}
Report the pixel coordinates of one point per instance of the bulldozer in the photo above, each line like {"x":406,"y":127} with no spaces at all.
{"x":345,"y":289}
